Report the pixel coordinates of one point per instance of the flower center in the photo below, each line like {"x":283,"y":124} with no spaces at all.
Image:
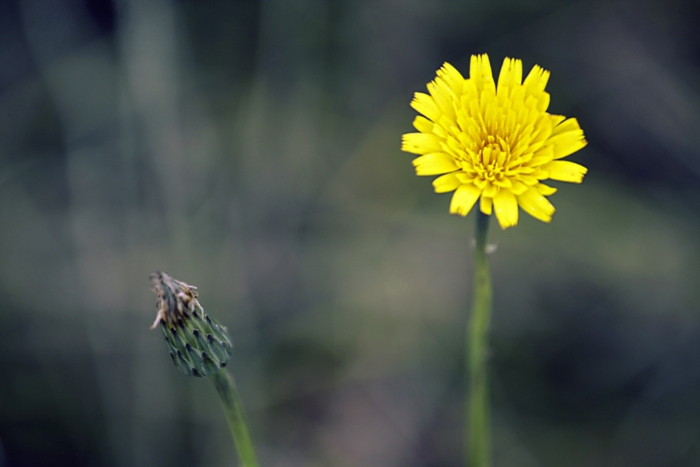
{"x":493,"y":157}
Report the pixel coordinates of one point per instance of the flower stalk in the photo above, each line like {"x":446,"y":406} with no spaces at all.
{"x":236,"y":417}
{"x":478,"y":436}
{"x":200,"y":346}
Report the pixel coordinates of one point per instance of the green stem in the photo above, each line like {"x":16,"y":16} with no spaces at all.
{"x":236,"y":417}
{"x":478,"y":413}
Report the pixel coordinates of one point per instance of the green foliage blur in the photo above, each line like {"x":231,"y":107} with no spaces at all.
{"x":251,"y":148}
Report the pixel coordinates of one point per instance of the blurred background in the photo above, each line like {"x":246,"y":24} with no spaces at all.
{"x":251,"y":148}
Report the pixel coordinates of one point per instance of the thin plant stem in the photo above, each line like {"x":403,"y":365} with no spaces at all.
{"x":478,"y":411}
{"x":236,"y":418}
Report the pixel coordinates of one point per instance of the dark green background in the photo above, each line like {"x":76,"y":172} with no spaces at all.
{"x":252,"y":148}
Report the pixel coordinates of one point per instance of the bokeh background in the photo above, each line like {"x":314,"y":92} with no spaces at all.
{"x":252,"y":148}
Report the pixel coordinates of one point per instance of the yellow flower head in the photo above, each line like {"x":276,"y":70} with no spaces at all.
{"x":494,"y":142}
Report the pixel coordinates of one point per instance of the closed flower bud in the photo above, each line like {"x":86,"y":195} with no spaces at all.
{"x":199,"y":345}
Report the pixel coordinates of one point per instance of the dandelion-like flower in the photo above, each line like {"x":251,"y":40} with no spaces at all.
{"x":494,"y":142}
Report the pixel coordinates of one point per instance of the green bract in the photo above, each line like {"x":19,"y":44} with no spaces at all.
{"x":198,"y":346}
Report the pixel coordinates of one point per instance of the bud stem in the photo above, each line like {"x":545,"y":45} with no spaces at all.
{"x":236,"y":417}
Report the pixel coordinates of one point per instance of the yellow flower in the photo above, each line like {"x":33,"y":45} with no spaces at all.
{"x":494,"y":142}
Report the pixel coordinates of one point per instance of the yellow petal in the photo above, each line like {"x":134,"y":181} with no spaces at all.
{"x":566,"y":148}
{"x":546,"y":190}
{"x":529,"y":180}
{"x":443,"y":96}
{"x":519,"y":188}
{"x":446,"y":183}
{"x":557,"y":119}
{"x":541,"y":174}
{"x":452,"y":77}
{"x":565,"y":125}
{"x":542,"y":101}
{"x":435,"y":163}
{"x":543,"y":128}
{"x":422,"y":124}
{"x":506,"y":207}
{"x":420,"y":143}
{"x":542,"y":156}
{"x":465,"y":177}
{"x":464,"y":198}
{"x":566,"y":138}
{"x":486,"y":205}
{"x":425,"y":104}
{"x":480,"y":73}
{"x":536,"y":80}
{"x":439,"y":130}
{"x":480,"y":182}
{"x":566,"y":171}
{"x":511,"y":75}
{"x":490,"y":190}
{"x":536,"y":205}
{"x":504,"y":183}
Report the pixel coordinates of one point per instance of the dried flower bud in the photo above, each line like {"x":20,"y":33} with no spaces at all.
{"x":199,"y":345}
